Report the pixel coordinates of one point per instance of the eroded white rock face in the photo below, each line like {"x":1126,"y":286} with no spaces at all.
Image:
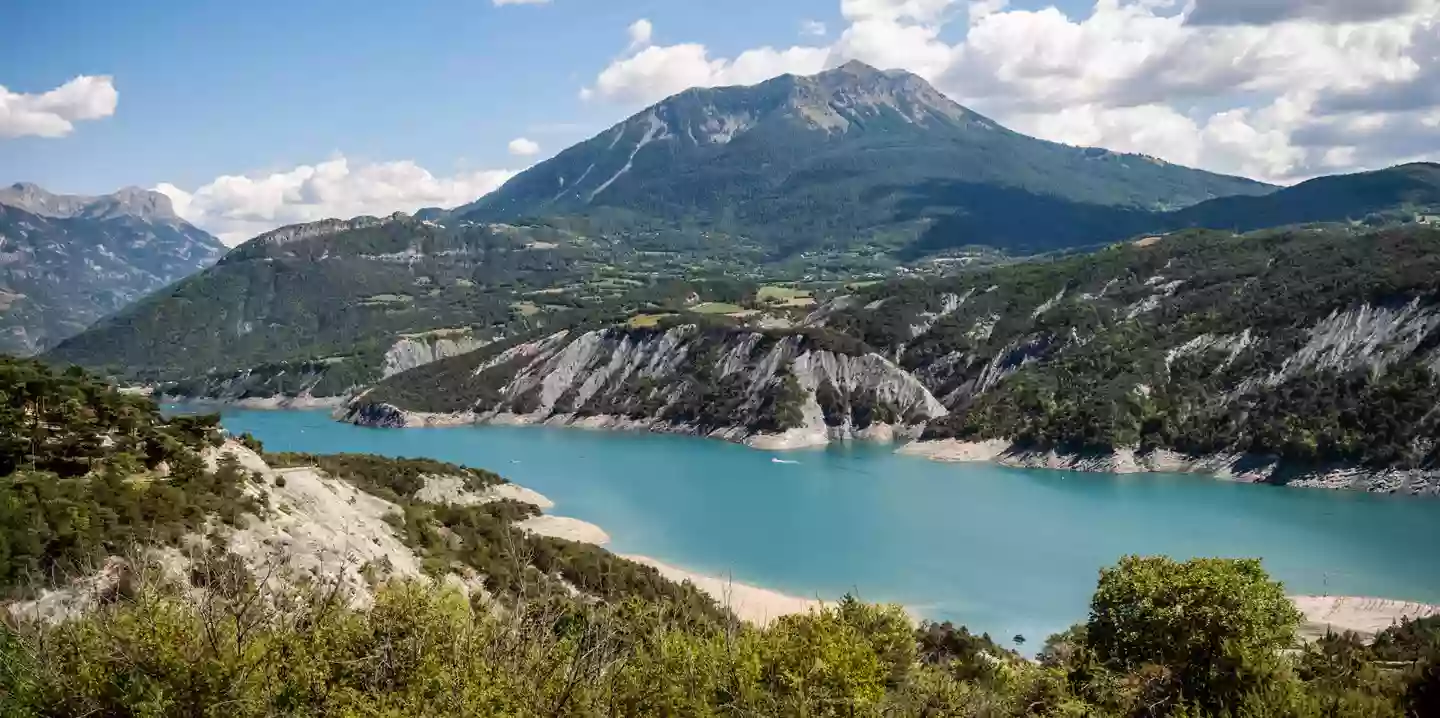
{"x":1229,"y":345}
{"x":1367,"y":336}
{"x":599,"y":367}
{"x":318,"y":530}
{"x":411,"y":352}
{"x":319,"y":527}
{"x":613,"y":378}
{"x":452,"y":490}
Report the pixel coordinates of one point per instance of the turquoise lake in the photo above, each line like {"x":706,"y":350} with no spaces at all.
{"x":1007,"y":551}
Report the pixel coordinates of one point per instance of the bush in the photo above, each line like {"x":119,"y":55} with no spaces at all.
{"x":1205,"y":631}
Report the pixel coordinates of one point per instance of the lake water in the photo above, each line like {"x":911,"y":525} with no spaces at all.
{"x":1001,"y":550}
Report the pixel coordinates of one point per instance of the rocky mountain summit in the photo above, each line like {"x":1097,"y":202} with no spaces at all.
{"x":854,"y":155}
{"x":68,"y":260}
{"x":147,"y":205}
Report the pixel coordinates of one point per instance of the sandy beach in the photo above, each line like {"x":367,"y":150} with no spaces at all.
{"x":751,"y":603}
{"x":1362,"y":614}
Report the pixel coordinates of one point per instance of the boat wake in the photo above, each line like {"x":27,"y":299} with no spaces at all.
{"x":782,"y":461}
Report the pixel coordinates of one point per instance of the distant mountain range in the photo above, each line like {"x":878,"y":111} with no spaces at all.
{"x":850,"y":158}
{"x":68,"y":260}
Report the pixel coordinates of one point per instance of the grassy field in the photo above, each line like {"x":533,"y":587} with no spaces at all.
{"x":785,"y":296}
{"x":645,"y":321}
{"x":780,"y":293}
{"x":716,"y":308}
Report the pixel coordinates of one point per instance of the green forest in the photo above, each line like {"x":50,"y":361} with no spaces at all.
{"x":1313,"y":346}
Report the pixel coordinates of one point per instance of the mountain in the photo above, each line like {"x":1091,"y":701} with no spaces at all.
{"x":848,"y":158}
{"x":1395,"y":193}
{"x":1306,"y":355}
{"x":345,"y":301}
{"x":68,"y":260}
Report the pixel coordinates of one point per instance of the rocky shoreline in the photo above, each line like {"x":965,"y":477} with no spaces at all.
{"x":1229,"y":467}
{"x":390,"y":416}
{"x":262,"y":403}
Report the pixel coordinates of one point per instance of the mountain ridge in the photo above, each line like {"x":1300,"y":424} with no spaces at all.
{"x":68,"y":260}
{"x":144,"y":204}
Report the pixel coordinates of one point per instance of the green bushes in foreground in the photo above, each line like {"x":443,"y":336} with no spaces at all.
{"x":1159,"y":635}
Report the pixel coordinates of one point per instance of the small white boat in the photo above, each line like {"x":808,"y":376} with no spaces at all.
{"x":782,"y":461}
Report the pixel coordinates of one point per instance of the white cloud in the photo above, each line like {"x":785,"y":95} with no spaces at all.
{"x":1267,"y":88}
{"x":640,"y":33}
{"x":54,"y":113}
{"x":922,"y":11}
{"x":813,"y":28}
{"x":656,"y":72}
{"x":1263,"y":12}
{"x":238,"y":207}
{"x":522,"y":147}
{"x":981,"y":8}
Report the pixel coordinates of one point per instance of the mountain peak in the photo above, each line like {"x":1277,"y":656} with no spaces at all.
{"x":855,"y":68}
{"x":851,"y":151}
{"x":135,"y":202}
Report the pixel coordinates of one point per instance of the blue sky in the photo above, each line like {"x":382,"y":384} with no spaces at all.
{"x":421,"y":100}
{"x":213,"y":88}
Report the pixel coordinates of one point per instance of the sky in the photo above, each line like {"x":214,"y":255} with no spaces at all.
{"x":258,"y":114}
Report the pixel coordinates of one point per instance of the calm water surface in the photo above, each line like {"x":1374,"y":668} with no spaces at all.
{"x":1002,"y":550}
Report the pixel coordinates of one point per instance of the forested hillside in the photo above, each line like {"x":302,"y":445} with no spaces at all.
{"x":1310,"y":346}
{"x":336,"y":294}
{"x":88,"y":473}
{"x":1289,"y":351}
{"x":1398,"y":193}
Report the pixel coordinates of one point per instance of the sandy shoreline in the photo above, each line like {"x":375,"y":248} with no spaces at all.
{"x":750,"y":603}
{"x":1361,"y":614}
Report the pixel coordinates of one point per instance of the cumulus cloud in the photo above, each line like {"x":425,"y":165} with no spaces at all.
{"x":1264,"y":12}
{"x":640,"y":33}
{"x":653,"y":72}
{"x":980,"y":8}
{"x":522,"y":147}
{"x":54,"y":113}
{"x":238,"y":207}
{"x":1275,"y":89}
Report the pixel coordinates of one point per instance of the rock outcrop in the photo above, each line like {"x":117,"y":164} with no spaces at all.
{"x":415,"y":350}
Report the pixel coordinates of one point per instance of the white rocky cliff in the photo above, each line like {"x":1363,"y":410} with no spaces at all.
{"x":771,"y":390}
